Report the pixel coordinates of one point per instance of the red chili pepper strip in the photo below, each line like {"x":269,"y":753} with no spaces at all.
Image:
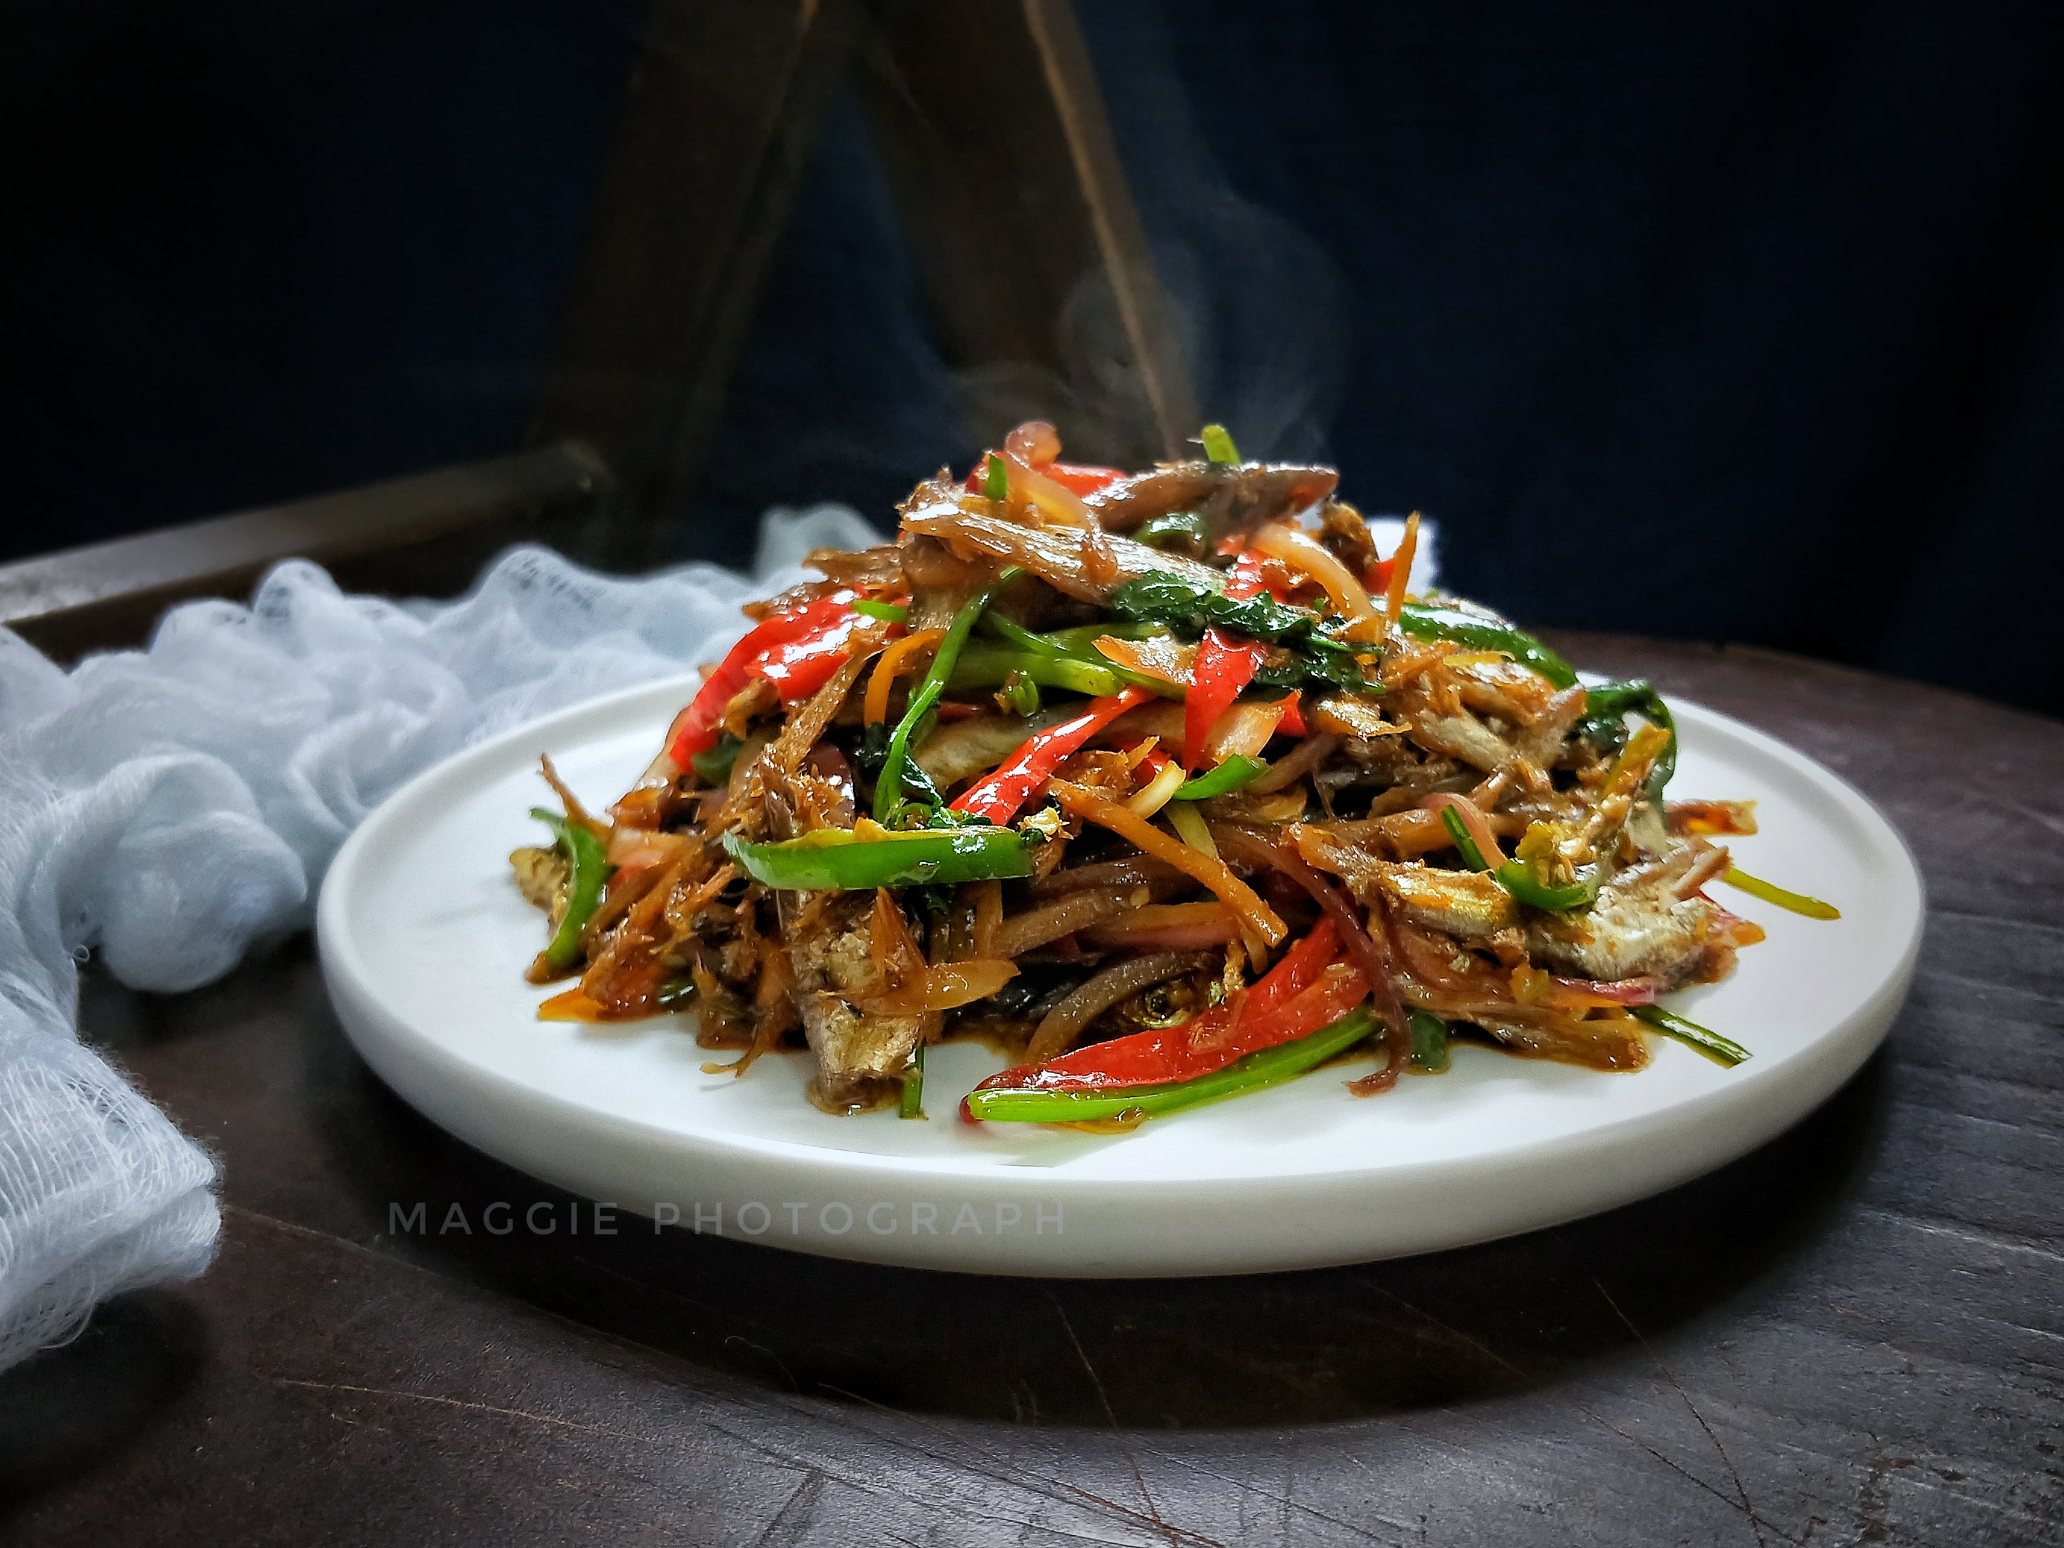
{"x":1247,"y":580}
{"x":1292,"y":723}
{"x":1225,"y":665}
{"x":695,"y":729}
{"x":800,"y":668}
{"x":1000,"y":795}
{"x":1079,"y":477}
{"x":1165,"y":1053}
{"x":1075,"y":477}
{"x":1203,"y":1044}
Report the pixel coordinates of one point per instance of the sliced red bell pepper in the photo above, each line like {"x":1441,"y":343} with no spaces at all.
{"x":1248,"y":579}
{"x":1226,"y":664}
{"x":1000,"y":795}
{"x":799,"y":668}
{"x":1160,"y":1054}
{"x":1080,"y":477}
{"x":797,"y":651}
{"x":1307,"y":990}
{"x":1292,"y":723}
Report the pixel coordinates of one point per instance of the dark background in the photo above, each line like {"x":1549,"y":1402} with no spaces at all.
{"x":1728,"y":321}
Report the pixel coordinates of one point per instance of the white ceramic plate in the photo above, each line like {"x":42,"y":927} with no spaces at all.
{"x":424,"y":941}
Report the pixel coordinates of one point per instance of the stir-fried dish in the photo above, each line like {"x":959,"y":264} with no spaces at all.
{"x":1165,"y":782}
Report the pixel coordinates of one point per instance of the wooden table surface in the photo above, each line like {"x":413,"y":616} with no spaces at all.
{"x":1854,"y":1335}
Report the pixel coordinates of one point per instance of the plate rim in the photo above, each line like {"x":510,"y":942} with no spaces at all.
{"x":405,"y":1058}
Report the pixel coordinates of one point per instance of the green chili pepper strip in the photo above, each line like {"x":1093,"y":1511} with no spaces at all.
{"x":590,"y":864}
{"x":1429,"y":1042}
{"x":1268,"y":1068}
{"x":1020,"y":692}
{"x":1770,"y":892}
{"x":1517,"y":878}
{"x":1426,"y":622}
{"x":1079,"y":641}
{"x":1227,"y":775}
{"x":911,"y":1104}
{"x":888,"y":612}
{"x":1076,"y":647}
{"x":1722,"y":1051}
{"x":888,"y":788}
{"x":837,"y":860}
{"x":996,"y":481}
{"x":1458,"y":830}
{"x":1218,"y":445}
{"x":988,"y":666}
{"x":1181,"y":531}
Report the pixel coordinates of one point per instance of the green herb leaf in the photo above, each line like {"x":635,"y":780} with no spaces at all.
{"x":713,"y":766}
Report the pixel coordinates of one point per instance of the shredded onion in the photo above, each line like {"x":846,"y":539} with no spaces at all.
{"x":1618,"y":991}
{"x":943,"y":987}
{"x":986,"y":898}
{"x":1473,"y":819}
{"x":1704,"y":869}
{"x":1370,"y":955}
{"x":1172,"y":926}
{"x":1242,"y":731}
{"x":1189,"y":824}
{"x":1162,"y":719}
{"x":1135,"y":871}
{"x":1295,"y":764}
{"x":1258,"y":921}
{"x":1035,"y":441}
{"x":1054,"y":500}
{"x":1155,"y":794}
{"x":1064,"y":1023}
{"x":630,"y":848}
{"x":1301,"y":551}
{"x":1050,"y":921}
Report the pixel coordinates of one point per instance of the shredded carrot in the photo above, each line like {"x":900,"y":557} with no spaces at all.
{"x":1401,"y":573}
{"x":1257,"y":919}
{"x":573,"y":1005}
{"x":891,"y":663}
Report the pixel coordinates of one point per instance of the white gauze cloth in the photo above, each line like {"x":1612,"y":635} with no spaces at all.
{"x":170,"y":807}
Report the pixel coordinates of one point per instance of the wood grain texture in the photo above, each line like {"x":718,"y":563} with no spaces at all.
{"x":1853,"y":1335}
{"x":717,"y":122}
{"x":426,"y":535}
{"x":990,"y":121}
